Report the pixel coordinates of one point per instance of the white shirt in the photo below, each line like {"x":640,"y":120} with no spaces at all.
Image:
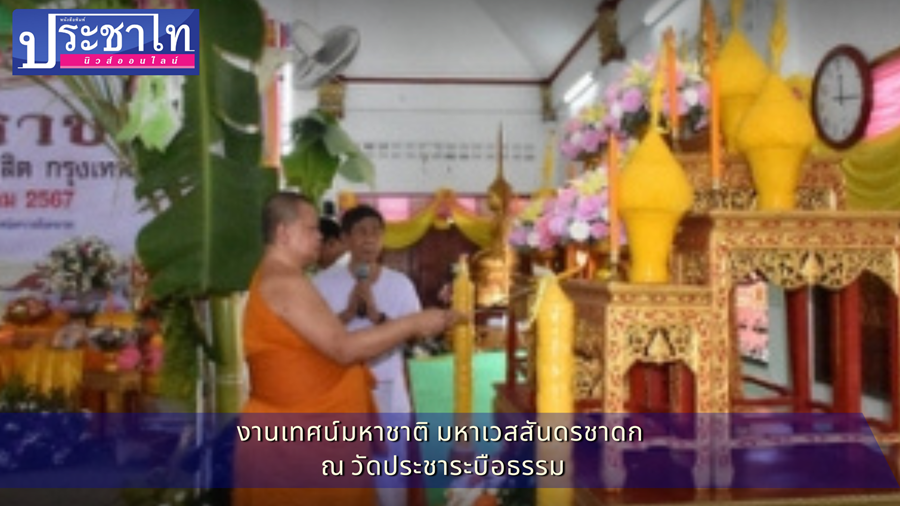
{"x":395,"y":296}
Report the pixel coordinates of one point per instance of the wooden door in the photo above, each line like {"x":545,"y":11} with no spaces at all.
{"x":428,"y":262}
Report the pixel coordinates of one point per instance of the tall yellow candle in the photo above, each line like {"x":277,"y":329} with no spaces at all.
{"x":615,"y":224}
{"x":273,"y":106}
{"x":463,"y":339}
{"x":555,"y":357}
{"x":710,"y":36}
{"x":672,"y":81}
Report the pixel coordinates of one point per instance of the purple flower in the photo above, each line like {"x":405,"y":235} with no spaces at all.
{"x":591,"y":140}
{"x":588,"y":208}
{"x":518,"y":236}
{"x":566,"y":197}
{"x":558,"y":225}
{"x":599,"y":230}
{"x":632,"y":100}
{"x":570,"y":150}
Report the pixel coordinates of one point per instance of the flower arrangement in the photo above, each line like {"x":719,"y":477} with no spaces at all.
{"x":584,"y":133}
{"x":80,"y":265}
{"x":530,"y":227}
{"x":625,"y":107}
{"x":111,"y":338}
{"x":577,"y":213}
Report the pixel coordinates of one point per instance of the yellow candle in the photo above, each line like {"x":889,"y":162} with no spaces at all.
{"x":672,"y":81}
{"x":463,"y":339}
{"x":555,"y":360}
{"x":615,"y":232}
{"x":714,"y":132}
{"x":555,"y":393}
{"x":273,"y":106}
{"x":710,"y":36}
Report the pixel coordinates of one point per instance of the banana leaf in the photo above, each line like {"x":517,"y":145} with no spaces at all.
{"x":208,"y":182}
{"x":322,"y":150}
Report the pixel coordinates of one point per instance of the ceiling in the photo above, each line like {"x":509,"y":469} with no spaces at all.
{"x":523,"y":40}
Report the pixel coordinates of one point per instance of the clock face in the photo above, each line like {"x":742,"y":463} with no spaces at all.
{"x":842,"y":97}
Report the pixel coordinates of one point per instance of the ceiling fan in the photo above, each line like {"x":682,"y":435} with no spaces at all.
{"x":319,"y":58}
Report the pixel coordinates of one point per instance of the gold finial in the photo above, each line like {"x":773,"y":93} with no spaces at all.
{"x":499,"y":192}
{"x":737,"y":7}
{"x":500,"y":150}
{"x":778,"y":36}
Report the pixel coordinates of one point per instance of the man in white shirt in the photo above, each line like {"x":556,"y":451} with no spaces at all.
{"x":364,"y":293}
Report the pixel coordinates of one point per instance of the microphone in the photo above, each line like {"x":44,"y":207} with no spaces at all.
{"x":361,"y":273}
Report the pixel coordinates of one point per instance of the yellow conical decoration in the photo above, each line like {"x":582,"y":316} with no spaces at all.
{"x":742,"y":73}
{"x":654,"y":195}
{"x":776,"y":136}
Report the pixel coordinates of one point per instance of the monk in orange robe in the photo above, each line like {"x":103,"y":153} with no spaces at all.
{"x":302,"y":360}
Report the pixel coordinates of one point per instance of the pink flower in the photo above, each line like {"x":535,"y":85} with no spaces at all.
{"x":599,"y":230}
{"x":632,"y":100}
{"x":518,"y":237}
{"x":591,"y":140}
{"x":129,"y":358}
{"x":589,"y":207}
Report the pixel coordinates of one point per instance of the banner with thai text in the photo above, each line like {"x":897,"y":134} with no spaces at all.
{"x":57,"y":181}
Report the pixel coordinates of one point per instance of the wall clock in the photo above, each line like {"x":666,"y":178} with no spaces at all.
{"x":842,"y":96}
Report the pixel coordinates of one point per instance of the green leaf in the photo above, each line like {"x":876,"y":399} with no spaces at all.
{"x":207,"y":239}
{"x":311,"y":168}
{"x":234,"y":26}
{"x":358,"y":169}
{"x":337,"y":141}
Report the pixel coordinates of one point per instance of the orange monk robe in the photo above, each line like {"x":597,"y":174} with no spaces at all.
{"x":288,"y":375}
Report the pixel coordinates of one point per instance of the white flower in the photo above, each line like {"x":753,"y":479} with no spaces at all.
{"x":533,"y":239}
{"x":691,"y":96}
{"x":579,"y":230}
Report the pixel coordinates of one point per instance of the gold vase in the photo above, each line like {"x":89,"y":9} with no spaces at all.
{"x":776,"y":173}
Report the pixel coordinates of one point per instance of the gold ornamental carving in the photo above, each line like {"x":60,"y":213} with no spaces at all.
{"x":607,"y":26}
{"x":821,"y":184}
{"x":797,"y":268}
{"x":660,"y":345}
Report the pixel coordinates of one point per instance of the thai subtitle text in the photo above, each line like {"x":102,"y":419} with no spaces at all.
{"x":482,"y":465}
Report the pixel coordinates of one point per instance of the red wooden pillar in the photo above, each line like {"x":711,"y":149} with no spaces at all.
{"x":681,"y":393}
{"x":847,"y":348}
{"x":798,"y":339}
{"x":894,"y":360}
{"x":637,"y":381}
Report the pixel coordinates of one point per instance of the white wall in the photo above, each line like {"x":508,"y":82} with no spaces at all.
{"x":423,"y":138}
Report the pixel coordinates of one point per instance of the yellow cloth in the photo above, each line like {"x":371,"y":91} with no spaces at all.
{"x":288,"y":375}
{"x":43,"y":367}
{"x":871,"y":169}
{"x":442,"y":212}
